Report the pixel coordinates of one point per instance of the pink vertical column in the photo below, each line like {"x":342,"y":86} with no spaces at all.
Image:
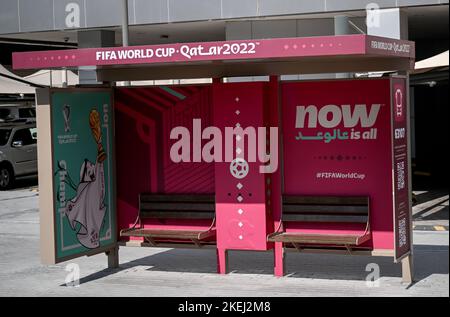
{"x":241,"y":218}
{"x":222,"y":261}
{"x":222,"y":254}
{"x":276,"y":181}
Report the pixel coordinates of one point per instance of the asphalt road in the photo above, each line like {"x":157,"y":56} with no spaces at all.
{"x":180,"y":272}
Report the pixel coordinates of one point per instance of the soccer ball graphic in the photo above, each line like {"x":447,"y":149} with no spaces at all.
{"x":239,"y":168}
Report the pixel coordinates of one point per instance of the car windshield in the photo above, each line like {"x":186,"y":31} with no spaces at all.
{"x":4,"y":136}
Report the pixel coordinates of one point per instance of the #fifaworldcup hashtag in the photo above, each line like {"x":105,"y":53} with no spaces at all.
{"x":339,"y":175}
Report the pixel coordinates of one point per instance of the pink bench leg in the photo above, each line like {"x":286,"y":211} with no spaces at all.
{"x":279,"y":259}
{"x":222,"y":261}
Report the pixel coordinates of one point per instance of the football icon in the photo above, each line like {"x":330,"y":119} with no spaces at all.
{"x":239,"y":168}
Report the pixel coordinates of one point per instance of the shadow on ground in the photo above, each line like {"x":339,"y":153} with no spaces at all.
{"x":431,"y":205}
{"x":25,"y":183}
{"x":317,"y":266}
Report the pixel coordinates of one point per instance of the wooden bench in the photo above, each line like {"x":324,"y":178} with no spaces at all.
{"x":170,"y":206}
{"x":324,"y":209}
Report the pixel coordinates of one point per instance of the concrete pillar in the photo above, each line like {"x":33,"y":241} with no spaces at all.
{"x":93,"y":38}
{"x":64,"y":78}
{"x":392,"y":23}
{"x":244,"y":30}
{"x":342,"y":27}
{"x":125,"y":32}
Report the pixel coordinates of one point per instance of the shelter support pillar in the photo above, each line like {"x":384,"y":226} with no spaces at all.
{"x":222,"y":254}
{"x":280,"y":257}
{"x":222,"y":261}
{"x":407,"y":270}
{"x":113,"y":258}
{"x":276,"y":183}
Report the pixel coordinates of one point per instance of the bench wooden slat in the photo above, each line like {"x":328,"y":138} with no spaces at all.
{"x":169,"y":234}
{"x":176,"y":214}
{"x":172,"y":206}
{"x":176,"y":206}
{"x":326,"y":209}
{"x":325,"y":200}
{"x":317,"y":238}
{"x":169,"y":206}
{"x":195,"y":198}
{"x":325,"y":218}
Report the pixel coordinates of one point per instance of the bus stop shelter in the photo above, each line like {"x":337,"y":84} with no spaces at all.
{"x":304,"y":166}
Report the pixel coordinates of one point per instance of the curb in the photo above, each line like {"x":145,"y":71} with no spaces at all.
{"x":430,"y":228}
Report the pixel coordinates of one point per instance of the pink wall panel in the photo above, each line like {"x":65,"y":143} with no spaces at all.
{"x":308,"y":161}
{"x":240,"y":202}
{"x":144,"y":119}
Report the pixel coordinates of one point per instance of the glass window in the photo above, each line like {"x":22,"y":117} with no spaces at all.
{"x":25,"y":136}
{"x":4,"y":136}
{"x":4,"y":113}
{"x":33,"y":133}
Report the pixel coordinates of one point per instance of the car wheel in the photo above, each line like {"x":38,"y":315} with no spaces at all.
{"x":6,"y":177}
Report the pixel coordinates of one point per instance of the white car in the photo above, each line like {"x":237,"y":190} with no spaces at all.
{"x":18,"y":152}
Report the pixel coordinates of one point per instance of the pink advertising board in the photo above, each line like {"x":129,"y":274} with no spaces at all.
{"x":241,"y":213}
{"x":248,"y":50}
{"x":402,"y":216}
{"x":337,"y":141}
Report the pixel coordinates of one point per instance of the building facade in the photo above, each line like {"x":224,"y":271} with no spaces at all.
{"x":50,"y":24}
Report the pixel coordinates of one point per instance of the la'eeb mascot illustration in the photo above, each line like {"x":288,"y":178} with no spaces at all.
{"x":88,"y":207}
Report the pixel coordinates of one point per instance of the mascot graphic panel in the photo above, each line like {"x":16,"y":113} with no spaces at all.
{"x":82,"y":132}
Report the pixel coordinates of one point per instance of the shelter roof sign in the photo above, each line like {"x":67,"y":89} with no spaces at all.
{"x":210,"y":51}
{"x":211,"y":54}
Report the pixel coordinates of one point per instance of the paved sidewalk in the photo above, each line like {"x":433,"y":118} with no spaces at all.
{"x":179,"y":272}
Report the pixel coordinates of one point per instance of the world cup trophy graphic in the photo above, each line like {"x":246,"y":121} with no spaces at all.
{"x":95,"y":124}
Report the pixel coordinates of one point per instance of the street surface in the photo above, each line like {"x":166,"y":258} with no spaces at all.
{"x":181,"y":272}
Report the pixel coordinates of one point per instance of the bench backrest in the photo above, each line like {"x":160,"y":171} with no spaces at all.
{"x":326,"y":209}
{"x":176,"y":206}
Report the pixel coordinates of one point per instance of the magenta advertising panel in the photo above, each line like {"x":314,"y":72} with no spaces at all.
{"x":144,"y":120}
{"x":402,"y":224}
{"x":240,"y":187}
{"x":337,"y":142}
{"x":356,"y":44}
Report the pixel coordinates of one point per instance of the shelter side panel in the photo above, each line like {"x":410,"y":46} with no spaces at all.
{"x":145,"y":118}
{"x":337,"y":142}
{"x":401,"y":161}
{"x":83,"y":171}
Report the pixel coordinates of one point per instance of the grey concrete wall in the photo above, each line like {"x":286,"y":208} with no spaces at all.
{"x":392,"y":23}
{"x":93,"y":38}
{"x":43,"y":15}
{"x":242,"y":30}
